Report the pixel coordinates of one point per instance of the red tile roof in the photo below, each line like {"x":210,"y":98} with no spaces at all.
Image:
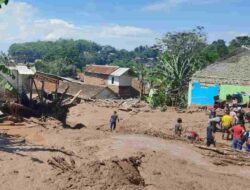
{"x":101,"y":69}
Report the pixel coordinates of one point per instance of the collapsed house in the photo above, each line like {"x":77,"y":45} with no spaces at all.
{"x":119,"y":80}
{"x":224,"y":78}
{"x":52,"y":83}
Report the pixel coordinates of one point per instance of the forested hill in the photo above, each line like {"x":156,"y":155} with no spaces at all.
{"x":77,"y":53}
{"x":67,"y":57}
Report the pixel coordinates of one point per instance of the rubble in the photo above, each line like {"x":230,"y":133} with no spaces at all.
{"x":127,"y":105}
{"x":110,"y":174}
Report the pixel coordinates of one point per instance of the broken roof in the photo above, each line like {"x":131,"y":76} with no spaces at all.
{"x":233,"y":70}
{"x":24,"y":70}
{"x":87,"y":91}
{"x":101,"y":69}
{"x":120,"y":72}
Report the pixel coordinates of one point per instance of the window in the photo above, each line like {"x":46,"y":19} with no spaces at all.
{"x":113,"y":80}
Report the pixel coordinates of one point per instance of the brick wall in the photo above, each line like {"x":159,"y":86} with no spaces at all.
{"x":96,"y":80}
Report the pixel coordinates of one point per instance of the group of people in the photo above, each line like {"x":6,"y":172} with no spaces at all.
{"x":231,"y":125}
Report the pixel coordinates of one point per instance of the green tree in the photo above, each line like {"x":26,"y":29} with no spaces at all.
{"x":239,"y":42}
{"x":218,"y":49}
{"x":4,"y":62}
{"x":182,"y":56}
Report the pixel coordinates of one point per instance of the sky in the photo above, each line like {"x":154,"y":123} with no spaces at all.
{"x":124,"y":24}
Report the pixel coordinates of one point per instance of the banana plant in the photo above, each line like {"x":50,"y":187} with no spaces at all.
{"x":4,"y":70}
{"x":3,"y":2}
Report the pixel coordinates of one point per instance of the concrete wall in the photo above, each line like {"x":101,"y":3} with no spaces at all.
{"x":202,"y":95}
{"x":232,"y":89}
{"x":124,"y":80}
{"x":105,"y":94}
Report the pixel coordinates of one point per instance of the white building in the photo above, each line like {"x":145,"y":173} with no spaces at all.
{"x":120,"y":77}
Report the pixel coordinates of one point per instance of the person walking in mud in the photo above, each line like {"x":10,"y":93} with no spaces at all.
{"x":113,"y":120}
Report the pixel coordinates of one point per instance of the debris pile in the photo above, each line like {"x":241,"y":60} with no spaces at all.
{"x":60,"y":163}
{"x":128,"y":105}
{"x":225,"y":156}
{"x":110,"y":174}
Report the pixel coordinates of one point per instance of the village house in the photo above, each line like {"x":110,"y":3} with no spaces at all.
{"x":223,"y":78}
{"x":116,"y":78}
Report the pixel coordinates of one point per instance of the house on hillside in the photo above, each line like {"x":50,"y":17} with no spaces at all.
{"x":116,"y":78}
{"x":98,"y":74}
{"x":223,"y":78}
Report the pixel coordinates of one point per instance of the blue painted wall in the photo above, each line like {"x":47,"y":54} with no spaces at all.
{"x":201,"y":95}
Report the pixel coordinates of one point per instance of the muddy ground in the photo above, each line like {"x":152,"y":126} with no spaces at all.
{"x":141,"y":154}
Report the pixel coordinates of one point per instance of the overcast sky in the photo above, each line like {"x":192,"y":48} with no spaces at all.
{"x":120,"y":23}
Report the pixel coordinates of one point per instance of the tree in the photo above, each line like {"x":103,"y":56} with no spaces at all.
{"x":182,"y":56}
{"x":3,"y":2}
{"x":4,"y":61}
{"x":239,"y":42}
{"x":216,"y":50}
{"x":141,"y":72}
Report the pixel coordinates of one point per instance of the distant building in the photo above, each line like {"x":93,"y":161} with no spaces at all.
{"x":116,"y":78}
{"x":223,"y":78}
{"x":98,"y":74}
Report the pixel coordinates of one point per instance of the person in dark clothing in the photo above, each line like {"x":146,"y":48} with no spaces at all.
{"x":212,"y":113}
{"x":113,"y":119}
{"x":241,"y":117}
{"x":210,"y":135}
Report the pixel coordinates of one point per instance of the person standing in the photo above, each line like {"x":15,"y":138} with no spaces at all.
{"x":234,"y":116}
{"x":113,"y":120}
{"x":178,"y":127}
{"x":210,"y":135}
{"x":237,"y":132}
{"x":226,"y":124}
{"x":247,"y":141}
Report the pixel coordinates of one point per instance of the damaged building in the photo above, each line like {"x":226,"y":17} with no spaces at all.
{"x":230,"y":76}
{"x":53,"y":83}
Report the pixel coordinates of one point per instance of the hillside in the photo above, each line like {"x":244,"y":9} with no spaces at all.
{"x":76,"y":54}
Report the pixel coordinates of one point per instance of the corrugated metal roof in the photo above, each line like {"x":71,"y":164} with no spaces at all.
{"x":101,"y":69}
{"x":120,"y":72}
